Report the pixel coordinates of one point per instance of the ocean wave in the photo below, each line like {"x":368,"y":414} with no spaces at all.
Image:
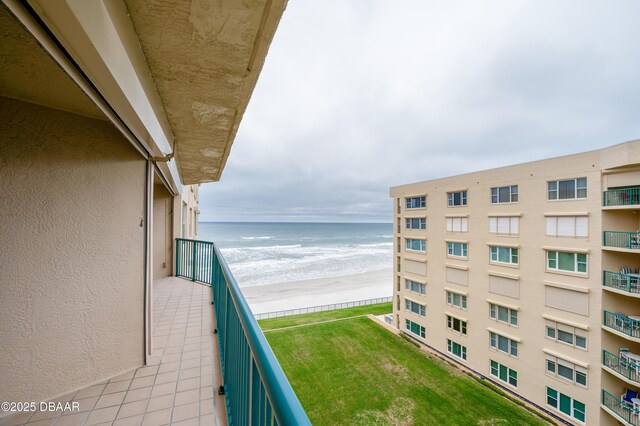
{"x":375,"y":245}
{"x":257,"y":238}
{"x":384,"y":236}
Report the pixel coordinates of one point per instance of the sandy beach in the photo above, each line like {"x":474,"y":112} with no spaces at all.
{"x":321,"y":291}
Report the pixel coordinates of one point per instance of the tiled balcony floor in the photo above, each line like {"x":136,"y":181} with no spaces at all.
{"x":178,"y":386}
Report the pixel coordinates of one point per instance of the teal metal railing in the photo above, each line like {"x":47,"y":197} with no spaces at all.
{"x":622,"y":323}
{"x":626,"y":240}
{"x":620,"y":408}
{"x":621,"y":197}
{"x":624,"y":282}
{"x":622,"y":366}
{"x":256,"y":389}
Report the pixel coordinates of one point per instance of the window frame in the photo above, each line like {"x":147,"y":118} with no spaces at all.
{"x":451,"y":198}
{"x":451,"y":348}
{"x":495,"y":194}
{"x":575,"y":335}
{"x":554,"y":186}
{"x":422,"y":223}
{"x":464,"y":224}
{"x":464,"y":249}
{"x":408,"y":244}
{"x":494,"y":314}
{"x":511,"y":255}
{"x":408,"y":285}
{"x":409,"y":202}
{"x":498,"y":370}
{"x":462,"y":325}
{"x":558,"y":363}
{"x":451,"y":299}
{"x":576,"y":262}
{"x":421,"y":310}
{"x":556,"y":396}
{"x":495,"y":344}
{"x":511,"y":227}
{"x":556,"y":226}
{"x":422,"y":332}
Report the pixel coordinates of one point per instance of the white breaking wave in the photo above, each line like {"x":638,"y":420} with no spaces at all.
{"x":257,"y":238}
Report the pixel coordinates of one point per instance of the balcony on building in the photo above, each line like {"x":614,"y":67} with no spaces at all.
{"x":627,"y":284}
{"x":621,"y":198}
{"x":623,"y":325}
{"x":625,"y":364}
{"x":620,"y":408}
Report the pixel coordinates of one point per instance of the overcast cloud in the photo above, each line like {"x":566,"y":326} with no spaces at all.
{"x":358,"y":96}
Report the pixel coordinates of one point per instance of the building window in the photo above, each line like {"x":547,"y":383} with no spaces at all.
{"x":456,"y":199}
{"x":567,"y":334}
{"x":503,"y":314}
{"x":566,"y":405}
{"x":416,"y":223}
{"x":457,"y":249}
{"x":504,"y":225}
{"x":457,"y":325}
{"x":565,"y":261}
{"x":566,"y":370}
{"x":415,"y":287}
{"x":414,"y":307}
{"x":568,"y":226}
{"x":504,"y":255}
{"x":457,"y":300}
{"x":457,"y":224}
{"x":570,"y":189}
{"x":415,"y":328}
{"x":504,"y":373}
{"x":416,"y":245}
{"x":456,"y":349}
{"x":504,"y":194}
{"x":503,"y":344}
{"x":416,"y":202}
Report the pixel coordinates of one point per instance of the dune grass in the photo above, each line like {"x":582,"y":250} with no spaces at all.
{"x":355,"y":372}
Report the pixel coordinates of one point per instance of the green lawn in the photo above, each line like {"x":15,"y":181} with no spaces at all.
{"x":355,"y":372}
{"x":270,"y":324}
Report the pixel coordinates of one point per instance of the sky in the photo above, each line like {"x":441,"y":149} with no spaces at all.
{"x":357,"y":96}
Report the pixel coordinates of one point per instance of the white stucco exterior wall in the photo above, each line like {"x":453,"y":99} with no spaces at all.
{"x":72,"y":268}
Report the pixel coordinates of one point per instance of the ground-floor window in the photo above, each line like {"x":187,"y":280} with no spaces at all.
{"x":565,"y":404}
{"x":415,"y":328}
{"x":456,"y":349}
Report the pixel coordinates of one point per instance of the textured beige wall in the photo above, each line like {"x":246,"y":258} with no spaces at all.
{"x":530,"y":300}
{"x":162,"y":232}
{"x":71,"y":275}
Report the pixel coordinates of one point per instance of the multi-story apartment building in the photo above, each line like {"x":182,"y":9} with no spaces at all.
{"x":529,"y":276}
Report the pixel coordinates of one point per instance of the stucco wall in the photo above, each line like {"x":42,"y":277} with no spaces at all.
{"x":162,"y":232}
{"x":71,"y":274}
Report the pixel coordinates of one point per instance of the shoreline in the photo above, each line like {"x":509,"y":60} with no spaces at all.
{"x":319,"y":291}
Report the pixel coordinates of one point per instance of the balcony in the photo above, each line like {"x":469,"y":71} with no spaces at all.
{"x":621,"y":197}
{"x":627,"y":284}
{"x":624,"y":368}
{"x":255,"y":387}
{"x":624,"y":241}
{"x":619,"y":409}
{"x":627,"y":326}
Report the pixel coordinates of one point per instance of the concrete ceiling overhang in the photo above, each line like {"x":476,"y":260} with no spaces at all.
{"x":204,"y":57}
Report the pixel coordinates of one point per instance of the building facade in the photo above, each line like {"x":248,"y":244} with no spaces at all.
{"x":528,"y":275}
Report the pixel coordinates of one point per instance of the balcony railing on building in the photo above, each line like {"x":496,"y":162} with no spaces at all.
{"x":621,"y":197}
{"x":628,"y":325}
{"x":256,"y":389}
{"x":624,"y":365}
{"x":629,"y":283}
{"x":620,"y":408}
{"x":621,"y":239}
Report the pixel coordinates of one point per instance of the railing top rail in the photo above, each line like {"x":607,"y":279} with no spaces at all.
{"x":195,"y":241}
{"x":287,"y":407}
{"x":623,"y":189}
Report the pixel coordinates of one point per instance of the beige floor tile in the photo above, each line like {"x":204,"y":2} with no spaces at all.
{"x":130,"y":421}
{"x":184,"y":412}
{"x":163,"y":389}
{"x":206,"y":392}
{"x":171,"y":376}
{"x":45,"y":422}
{"x":188,"y":384}
{"x":110,"y":400}
{"x":209,"y":419}
{"x":95,"y":390}
{"x":114,"y":387}
{"x":73,"y":419}
{"x":138,"y":394}
{"x":157,"y":418}
{"x":189,"y":363}
{"x":41,"y":415}
{"x":102,"y":415}
{"x":160,"y":403}
{"x":194,"y":421}
{"x":16,"y":419}
{"x":146,"y":371}
{"x":86,"y":404}
{"x":142,"y":382}
{"x":168,"y":367}
{"x":126,"y":376}
{"x":189,"y":373}
{"x":132,"y":409}
{"x":206,"y":407}
{"x":187,"y":397}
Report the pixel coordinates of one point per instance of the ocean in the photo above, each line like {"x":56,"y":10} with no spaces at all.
{"x":267,"y":253}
